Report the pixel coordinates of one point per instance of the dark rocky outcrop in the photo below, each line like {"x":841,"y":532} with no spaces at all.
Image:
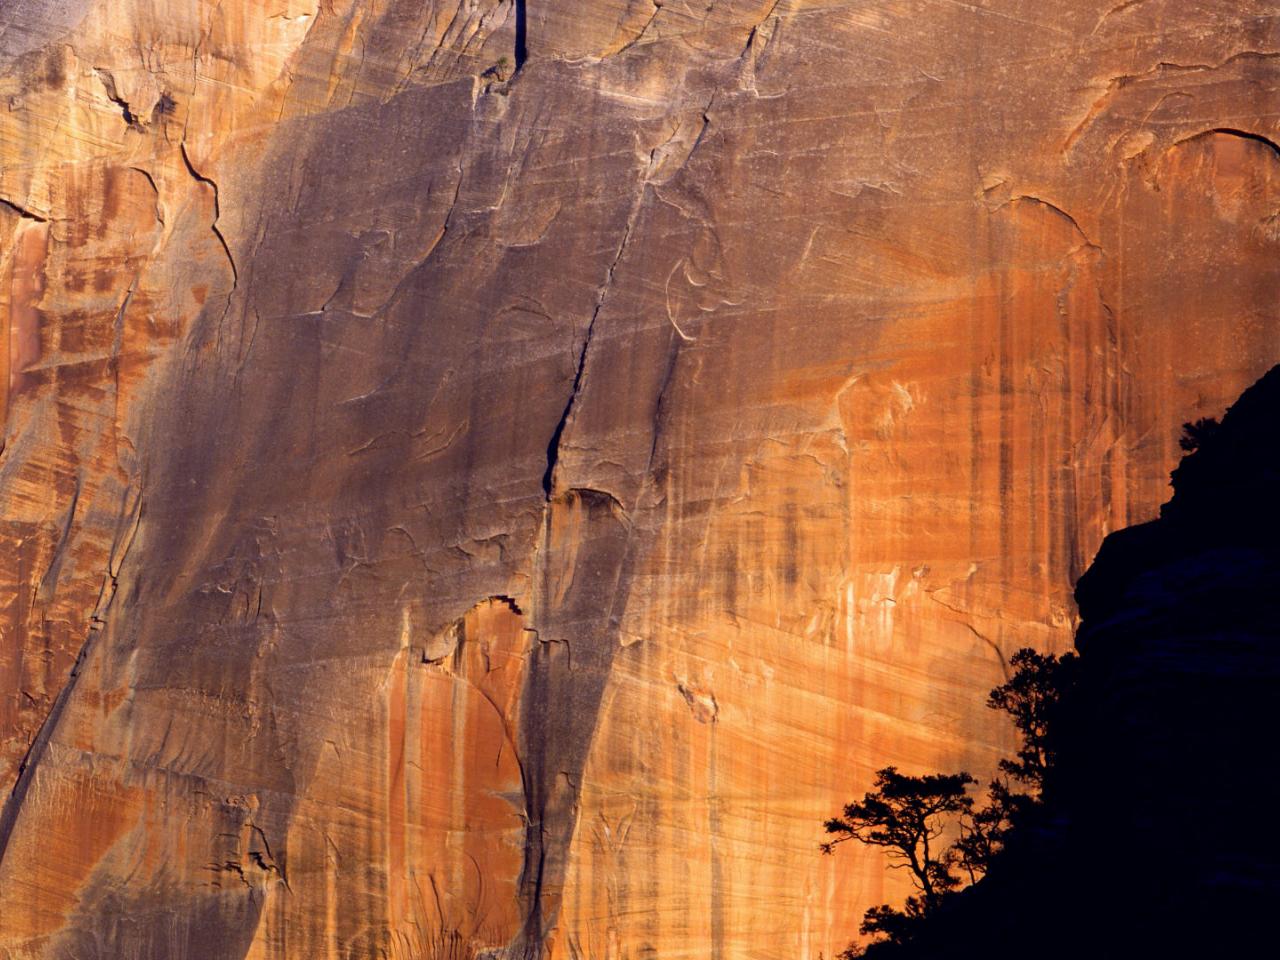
{"x":1157,"y":837}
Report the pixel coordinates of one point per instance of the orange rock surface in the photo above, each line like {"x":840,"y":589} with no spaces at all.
{"x":488,"y":478}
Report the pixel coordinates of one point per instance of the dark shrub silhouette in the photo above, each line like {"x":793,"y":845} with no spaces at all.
{"x":905,"y":815}
{"x":908,"y":815}
{"x":1195,"y":433}
{"x":1033,"y":697}
{"x":985,"y":833}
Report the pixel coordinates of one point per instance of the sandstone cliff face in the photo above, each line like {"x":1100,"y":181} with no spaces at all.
{"x":489,"y":476}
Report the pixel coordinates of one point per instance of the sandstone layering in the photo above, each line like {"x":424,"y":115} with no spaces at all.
{"x":487,"y":477}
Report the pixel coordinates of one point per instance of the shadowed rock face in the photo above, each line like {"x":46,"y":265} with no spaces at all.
{"x":488,"y":476}
{"x":1181,"y":657}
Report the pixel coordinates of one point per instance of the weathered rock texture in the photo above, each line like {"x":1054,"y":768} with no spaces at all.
{"x":492,"y":476}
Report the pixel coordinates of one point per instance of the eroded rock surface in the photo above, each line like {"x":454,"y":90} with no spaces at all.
{"x":491,"y":476}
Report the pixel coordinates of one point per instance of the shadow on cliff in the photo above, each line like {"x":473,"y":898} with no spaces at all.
{"x":1157,"y":832}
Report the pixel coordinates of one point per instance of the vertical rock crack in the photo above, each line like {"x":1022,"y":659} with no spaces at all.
{"x":553,"y":447}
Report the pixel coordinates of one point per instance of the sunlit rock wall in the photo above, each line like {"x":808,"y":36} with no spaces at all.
{"x":488,"y":478}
